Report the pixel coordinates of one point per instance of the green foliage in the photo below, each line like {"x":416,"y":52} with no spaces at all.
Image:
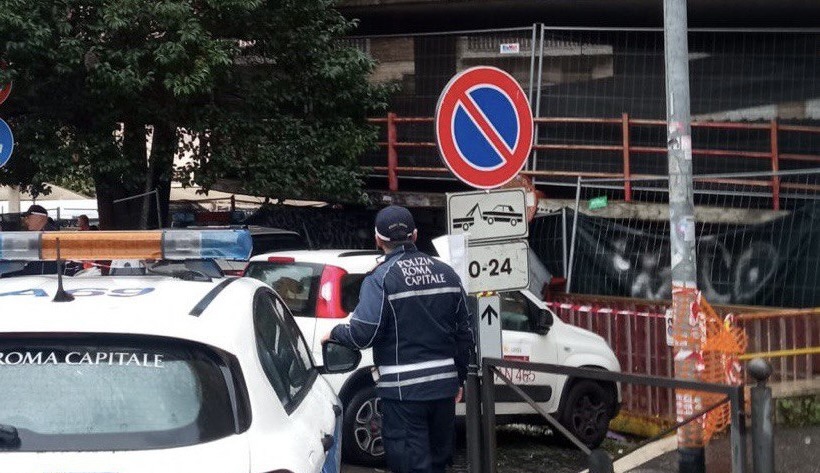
{"x":264,"y":85}
{"x":799,"y":411}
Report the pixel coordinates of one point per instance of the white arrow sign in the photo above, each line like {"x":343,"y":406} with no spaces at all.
{"x":489,"y":327}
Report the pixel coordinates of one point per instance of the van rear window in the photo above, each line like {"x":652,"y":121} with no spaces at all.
{"x":98,"y":394}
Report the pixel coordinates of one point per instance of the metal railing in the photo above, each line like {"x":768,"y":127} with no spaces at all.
{"x":626,"y":148}
{"x":636,"y":331}
{"x":490,"y":368}
{"x":789,"y":339}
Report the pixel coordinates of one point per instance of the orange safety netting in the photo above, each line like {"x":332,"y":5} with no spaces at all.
{"x":721,"y":343}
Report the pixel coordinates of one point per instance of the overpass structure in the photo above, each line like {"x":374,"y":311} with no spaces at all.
{"x":414,"y":16}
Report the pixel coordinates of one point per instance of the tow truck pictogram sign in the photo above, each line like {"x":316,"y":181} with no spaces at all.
{"x":488,"y":216}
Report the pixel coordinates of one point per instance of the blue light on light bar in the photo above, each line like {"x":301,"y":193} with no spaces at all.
{"x":19,"y":246}
{"x":194,"y":244}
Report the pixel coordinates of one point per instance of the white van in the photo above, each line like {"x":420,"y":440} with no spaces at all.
{"x":321,"y":287}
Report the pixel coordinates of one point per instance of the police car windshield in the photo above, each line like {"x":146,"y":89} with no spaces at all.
{"x":93,"y":394}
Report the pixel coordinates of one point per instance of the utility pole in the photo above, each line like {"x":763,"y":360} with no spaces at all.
{"x":687,"y":326}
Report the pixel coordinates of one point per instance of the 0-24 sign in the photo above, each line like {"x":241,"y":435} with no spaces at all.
{"x":498,"y":267}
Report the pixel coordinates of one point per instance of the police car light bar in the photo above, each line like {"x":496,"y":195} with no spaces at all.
{"x":109,"y":245}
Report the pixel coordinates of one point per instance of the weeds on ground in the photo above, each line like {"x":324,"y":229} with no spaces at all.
{"x":799,"y":411}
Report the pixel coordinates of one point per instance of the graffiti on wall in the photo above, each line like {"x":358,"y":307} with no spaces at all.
{"x":724,"y":275}
{"x":773,"y":264}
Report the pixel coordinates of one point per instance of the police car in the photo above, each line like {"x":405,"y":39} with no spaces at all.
{"x":167,"y":371}
{"x":322,"y":288}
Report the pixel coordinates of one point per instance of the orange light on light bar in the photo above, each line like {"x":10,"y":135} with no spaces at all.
{"x":102,"y":245}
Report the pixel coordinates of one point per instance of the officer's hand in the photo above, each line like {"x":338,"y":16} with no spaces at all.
{"x":459,"y":395}
{"x":326,"y":338}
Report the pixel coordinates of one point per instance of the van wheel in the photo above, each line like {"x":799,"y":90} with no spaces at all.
{"x":362,"y":437}
{"x":587,"y":411}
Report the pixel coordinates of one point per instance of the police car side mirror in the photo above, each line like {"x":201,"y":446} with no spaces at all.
{"x":544,"y":322}
{"x":339,"y":358}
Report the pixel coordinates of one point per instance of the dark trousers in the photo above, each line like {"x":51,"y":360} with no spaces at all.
{"x":418,"y":435}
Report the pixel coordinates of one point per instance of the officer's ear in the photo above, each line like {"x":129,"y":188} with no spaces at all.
{"x":415,"y":235}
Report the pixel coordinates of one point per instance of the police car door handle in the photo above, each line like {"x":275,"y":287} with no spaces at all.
{"x":327,"y":442}
{"x":337,"y":410}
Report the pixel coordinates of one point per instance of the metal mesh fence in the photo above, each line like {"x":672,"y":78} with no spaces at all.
{"x":595,"y":90}
{"x":422,"y":65}
{"x":746,"y":253}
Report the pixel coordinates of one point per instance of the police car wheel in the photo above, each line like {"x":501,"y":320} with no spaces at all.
{"x":362,"y":444}
{"x":587,"y":411}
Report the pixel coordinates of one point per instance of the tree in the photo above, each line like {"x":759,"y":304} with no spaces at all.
{"x":258,"y":91}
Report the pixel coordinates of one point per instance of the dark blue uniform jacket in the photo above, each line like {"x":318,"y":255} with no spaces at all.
{"x":413,"y":312}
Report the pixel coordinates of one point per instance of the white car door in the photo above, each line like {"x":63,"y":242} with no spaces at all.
{"x":522,"y":342}
{"x":320,"y":409}
{"x":296,"y":381}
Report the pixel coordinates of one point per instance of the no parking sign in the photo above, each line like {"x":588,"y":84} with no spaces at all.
{"x":6,"y":143}
{"x":484,"y":127}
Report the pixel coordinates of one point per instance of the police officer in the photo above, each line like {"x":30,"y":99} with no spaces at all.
{"x":413,"y":312}
{"x":36,"y":219}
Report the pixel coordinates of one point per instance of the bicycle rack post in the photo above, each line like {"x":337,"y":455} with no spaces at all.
{"x":762,"y":429}
{"x":738,"y":430}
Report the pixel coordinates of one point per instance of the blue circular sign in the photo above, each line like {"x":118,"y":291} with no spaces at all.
{"x":6,"y":143}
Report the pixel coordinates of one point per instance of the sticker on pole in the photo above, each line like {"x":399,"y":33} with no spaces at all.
{"x":6,"y":143}
{"x":484,"y":127}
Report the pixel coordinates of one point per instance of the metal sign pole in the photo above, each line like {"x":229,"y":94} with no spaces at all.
{"x":687,"y":331}
{"x":473,"y":421}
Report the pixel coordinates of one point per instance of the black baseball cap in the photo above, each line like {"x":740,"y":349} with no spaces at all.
{"x":395,"y":224}
{"x":36,"y":210}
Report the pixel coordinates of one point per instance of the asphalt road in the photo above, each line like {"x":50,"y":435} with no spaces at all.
{"x":525,"y":450}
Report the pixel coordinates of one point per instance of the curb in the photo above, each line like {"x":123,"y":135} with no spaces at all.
{"x":644,"y":454}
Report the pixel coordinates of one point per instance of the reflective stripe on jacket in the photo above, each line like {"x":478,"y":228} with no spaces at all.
{"x":413,"y":312}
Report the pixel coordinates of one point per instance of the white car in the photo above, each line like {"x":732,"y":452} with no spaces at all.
{"x":170,"y":371}
{"x":322,"y":287}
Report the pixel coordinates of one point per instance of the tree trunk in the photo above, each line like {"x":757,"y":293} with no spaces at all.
{"x":124,"y":215}
{"x":163,"y":150}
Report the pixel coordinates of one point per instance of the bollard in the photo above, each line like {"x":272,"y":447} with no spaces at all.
{"x":762,"y":433}
{"x":600,"y":462}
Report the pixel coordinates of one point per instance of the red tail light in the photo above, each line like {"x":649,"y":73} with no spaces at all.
{"x":329,"y":299}
{"x":234,"y":272}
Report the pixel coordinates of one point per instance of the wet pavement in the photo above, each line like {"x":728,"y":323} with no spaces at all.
{"x":531,"y":450}
{"x":797,"y":450}
{"x":526,"y":450}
